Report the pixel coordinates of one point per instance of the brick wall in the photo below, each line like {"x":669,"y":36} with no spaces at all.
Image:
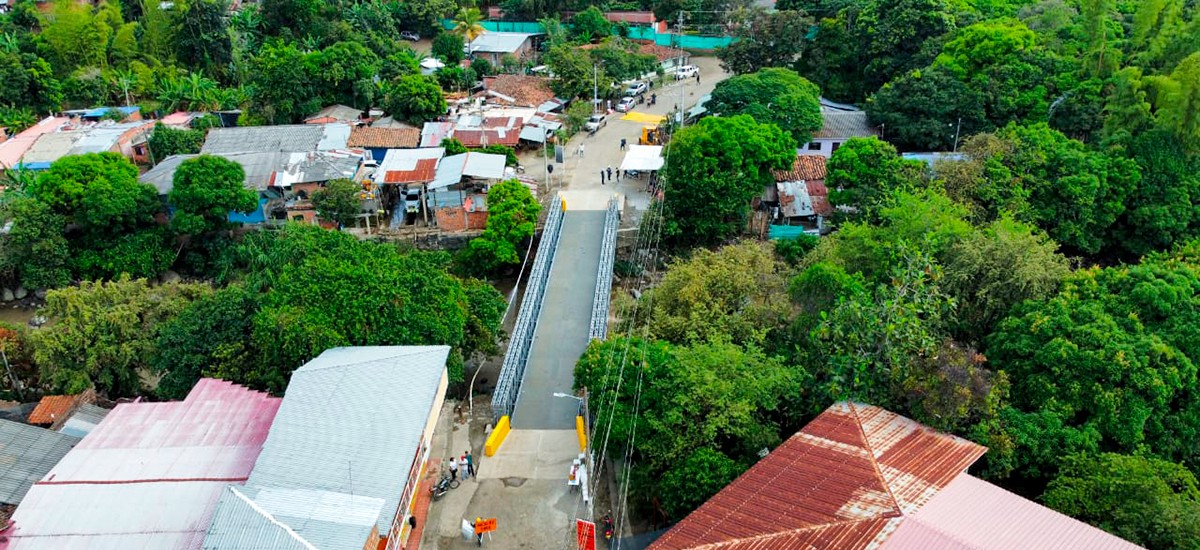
{"x":451,"y":219}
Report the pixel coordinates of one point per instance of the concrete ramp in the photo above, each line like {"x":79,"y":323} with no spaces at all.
{"x":590,"y":199}
{"x":533,"y":454}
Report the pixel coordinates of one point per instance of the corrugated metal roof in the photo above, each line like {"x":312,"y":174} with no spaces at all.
{"x":289,"y":138}
{"x":12,"y":150}
{"x":794,"y":199}
{"x":337,"y":112}
{"x":52,"y":146}
{"x":499,"y":42}
{"x":432,"y":133}
{"x":422,"y":172}
{"x":405,"y":165}
{"x":484,"y":165}
{"x":149,"y":476}
{"x":845,"y":125}
{"x":83,"y":420}
{"x":104,"y":136}
{"x":972,"y":514}
{"x":842,"y":482}
{"x":27,"y":453}
{"x":337,"y":439}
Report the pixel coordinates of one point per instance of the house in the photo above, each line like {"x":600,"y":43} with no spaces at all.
{"x":377,"y":141}
{"x":344,"y":458}
{"x":12,"y":150}
{"x":432,"y":133}
{"x":284,"y":181}
{"x":476,"y":131}
{"x":799,"y":195}
{"x":860,"y":477}
{"x":517,"y":90}
{"x":50,"y":147}
{"x":838,"y":126}
{"x":401,"y":178}
{"x":540,"y":128}
{"x":336,"y":113}
{"x":149,"y":475}
{"x":391,"y":122}
{"x":290,"y":138}
{"x":180,"y":120}
{"x":27,"y":454}
{"x":669,"y":59}
{"x":458,"y":193}
{"x":127,"y":138}
{"x":493,"y":46}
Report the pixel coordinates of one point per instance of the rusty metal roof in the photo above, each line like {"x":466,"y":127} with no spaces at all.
{"x":423,"y":172}
{"x":843,"y":482}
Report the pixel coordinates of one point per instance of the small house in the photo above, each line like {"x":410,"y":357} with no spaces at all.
{"x":288,"y":138}
{"x":837,"y":127}
{"x":493,"y":46}
{"x":336,"y":114}
{"x":458,"y":194}
{"x":669,"y":59}
{"x":517,"y":90}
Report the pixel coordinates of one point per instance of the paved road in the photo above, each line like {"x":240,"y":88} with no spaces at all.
{"x":562,"y":331}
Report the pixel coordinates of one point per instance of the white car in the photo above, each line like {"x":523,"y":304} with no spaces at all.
{"x":636,"y":89}
{"x":626,"y":104}
{"x":687,"y":71}
{"x":409,"y":35}
{"x":595,"y":122}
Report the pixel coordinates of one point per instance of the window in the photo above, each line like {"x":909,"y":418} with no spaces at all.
{"x":814,"y":146}
{"x":835,"y":146}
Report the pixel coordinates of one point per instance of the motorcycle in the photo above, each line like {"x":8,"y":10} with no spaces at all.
{"x":608,"y":526}
{"x":437,"y":490}
{"x":653,"y":99}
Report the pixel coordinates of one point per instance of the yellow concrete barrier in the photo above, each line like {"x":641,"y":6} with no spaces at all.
{"x":582,"y":434}
{"x":498,"y":434}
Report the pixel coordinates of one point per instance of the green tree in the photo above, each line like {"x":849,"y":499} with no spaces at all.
{"x":1162,"y":209}
{"x":77,"y":36}
{"x":448,"y":47}
{"x":414,"y":99}
{"x":34,"y":249}
{"x":1179,"y":108}
{"x":512,"y":218}
{"x":990,"y":270}
{"x":28,"y":81}
{"x":166,"y":141}
{"x":467,"y":23}
{"x":104,"y":333}
{"x":774,"y":95}
{"x":1126,"y":111}
{"x":283,"y":88}
{"x":1110,"y":354}
{"x":927,"y":109}
{"x":705,"y":472}
{"x":202,"y":36}
{"x":206,"y":337}
{"x":205,"y":190}
{"x":99,"y":190}
{"x":296,"y":18}
{"x":338,"y":201}
{"x":737,"y":294}
{"x":715,"y":168}
{"x":143,"y":253}
{"x":764,"y":39}
{"x":573,"y":72}
{"x":590,"y":25}
{"x":1144,"y":500}
{"x":865,"y":172}
{"x":981,"y":181}
{"x":345,"y":73}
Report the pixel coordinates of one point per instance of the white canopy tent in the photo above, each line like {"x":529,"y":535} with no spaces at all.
{"x":643,"y":158}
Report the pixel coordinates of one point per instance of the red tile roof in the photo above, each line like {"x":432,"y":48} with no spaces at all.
{"x":843,"y":482}
{"x":526,"y":91}
{"x":662,"y":53}
{"x":805,"y":167}
{"x":54,"y":407}
{"x":423,"y":172}
{"x":384,"y":138}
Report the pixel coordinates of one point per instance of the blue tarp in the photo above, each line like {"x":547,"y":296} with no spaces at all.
{"x":788,"y":232}
{"x":99,"y":111}
{"x":257,"y":216}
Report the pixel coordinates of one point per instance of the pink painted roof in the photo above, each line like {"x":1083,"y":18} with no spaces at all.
{"x":843,"y":482}
{"x":149,"y":475}
{"x":178,"y":118}
{"x":972,"y":514}
{"x":12,"y":150}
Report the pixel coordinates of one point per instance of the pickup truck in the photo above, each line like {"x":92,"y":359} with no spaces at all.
{"x":594,"y":123}
{"x":687,"y":71}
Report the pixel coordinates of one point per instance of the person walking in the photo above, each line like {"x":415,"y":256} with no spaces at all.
{"x":580,"y":150}
{"x":601,"y":176}
{"x":470,"y":462}
{"x":609,"y":172}
{"x":618,"y":175}
{"x":622,"y":144}
{"x":453,"y":468}
{"x":697,"y":78}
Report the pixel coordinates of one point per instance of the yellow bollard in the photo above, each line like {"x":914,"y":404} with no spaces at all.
{"x":582,"y":434}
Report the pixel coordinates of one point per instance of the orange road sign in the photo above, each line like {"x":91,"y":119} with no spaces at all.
{"x":485,"y":526}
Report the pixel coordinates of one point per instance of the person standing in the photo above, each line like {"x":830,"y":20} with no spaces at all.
{"x":580,"y":150}
{"x":462,"y":462}
{"x":622,"y":144}
{"x":470,"y":462}
{"x":601,"y":176}
{"x":697,"y":78}
{"x":618,"y":175}
{"x":453,"y":468}
{"x":609,"y":172}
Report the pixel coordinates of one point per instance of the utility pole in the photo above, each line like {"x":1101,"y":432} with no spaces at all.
{"x":956,"y":130}
{"x":595,"y":89}
{"x":679,"y":44}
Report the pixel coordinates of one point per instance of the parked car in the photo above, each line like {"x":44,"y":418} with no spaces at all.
{"x":626,"y":104}
{"x":409,"y":35}
{"x":687,"y":71}
{"x":594,"y":123}
{"x":636,"y":89}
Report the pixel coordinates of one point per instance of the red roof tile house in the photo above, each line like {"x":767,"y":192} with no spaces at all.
{"x":860,"y":477}
{"x":149,"y":475}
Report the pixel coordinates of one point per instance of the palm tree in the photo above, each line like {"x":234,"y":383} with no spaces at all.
{"x":466,"y":23}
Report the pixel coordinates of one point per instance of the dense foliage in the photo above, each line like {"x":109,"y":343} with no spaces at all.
{"x":512,"y":218}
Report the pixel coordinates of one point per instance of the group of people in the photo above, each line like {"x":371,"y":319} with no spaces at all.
{"x":608,"y":173}
{"x":466,"y":462}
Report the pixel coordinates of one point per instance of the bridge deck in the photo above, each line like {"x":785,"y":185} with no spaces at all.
{"x":562,"y":331}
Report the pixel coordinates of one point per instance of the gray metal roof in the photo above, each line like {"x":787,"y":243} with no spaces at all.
{"x":499,"y":42}
{"x":103,"y":137}
{"x":287,"y":138}
{"x":53,"y":146}
{"x":337,"y":112}
{"x":337,"y":457}
{"x":83,"y":420}
{"x":260,"y":167}
{"x":845,"y":124}
{"x":27,"y":454}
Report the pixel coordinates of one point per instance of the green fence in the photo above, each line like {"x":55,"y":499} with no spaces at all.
{"x":685,"y":41}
